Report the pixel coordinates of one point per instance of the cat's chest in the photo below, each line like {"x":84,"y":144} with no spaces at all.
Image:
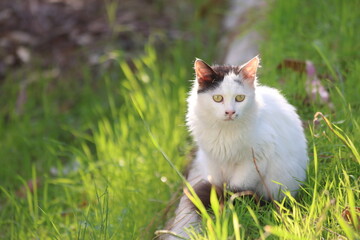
{"x":228,"y":155}
{"x":226,"y":144}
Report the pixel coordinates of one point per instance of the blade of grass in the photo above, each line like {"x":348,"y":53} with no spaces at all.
{"x":341,"y":135}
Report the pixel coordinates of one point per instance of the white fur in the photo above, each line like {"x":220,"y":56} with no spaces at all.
{"x":264,"y":122}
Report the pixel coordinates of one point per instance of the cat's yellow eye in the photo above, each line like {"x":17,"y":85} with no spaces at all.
{"x":240,"y":98}
{"x":218,"y":98}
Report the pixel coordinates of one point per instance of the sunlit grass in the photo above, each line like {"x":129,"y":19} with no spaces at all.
{"x":99,"y":162}
{"x":113,"y":182}
{"x":297,"y":30}
{"x":317,"y":211}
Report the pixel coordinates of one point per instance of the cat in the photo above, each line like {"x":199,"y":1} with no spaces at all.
{"x":248,"y":137}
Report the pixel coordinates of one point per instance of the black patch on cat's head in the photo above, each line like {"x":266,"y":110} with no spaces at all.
{"x":219,"y":73}
{"x":210,"y":78}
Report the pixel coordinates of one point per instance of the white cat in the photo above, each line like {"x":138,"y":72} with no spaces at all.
{"x":233,"y":120}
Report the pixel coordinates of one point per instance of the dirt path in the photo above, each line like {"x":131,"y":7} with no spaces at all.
{"x":241,"y":39}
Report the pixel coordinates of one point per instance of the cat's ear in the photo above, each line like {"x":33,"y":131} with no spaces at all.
{"x":204,"y":73}
{"x":248,"y":70}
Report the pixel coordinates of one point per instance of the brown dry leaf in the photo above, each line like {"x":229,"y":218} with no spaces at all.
{"x":296,"y":65}
{"x":347,"y":216}
{"x":31,"y":185}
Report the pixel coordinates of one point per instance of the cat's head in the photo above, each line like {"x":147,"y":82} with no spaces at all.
{"x":226,"y":92}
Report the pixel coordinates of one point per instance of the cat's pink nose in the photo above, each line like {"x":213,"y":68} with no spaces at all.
{"x":229,"y":113}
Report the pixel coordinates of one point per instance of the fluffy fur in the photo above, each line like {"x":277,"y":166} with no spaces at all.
{"x":227,"y":133}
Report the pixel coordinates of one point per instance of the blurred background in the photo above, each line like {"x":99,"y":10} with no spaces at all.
{"x":92,"y":104}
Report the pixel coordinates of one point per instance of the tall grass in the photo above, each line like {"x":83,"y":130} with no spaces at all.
{"x":84,"y":160}
{"x":94,"y":163}
{"x":327,"y":207}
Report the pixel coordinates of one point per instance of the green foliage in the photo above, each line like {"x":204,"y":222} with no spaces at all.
{"x":96,"y":158}
{"x":84,"y":160}
{"x":327,"y":207}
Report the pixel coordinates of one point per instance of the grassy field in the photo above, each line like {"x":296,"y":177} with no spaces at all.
{"x":89,"y":159}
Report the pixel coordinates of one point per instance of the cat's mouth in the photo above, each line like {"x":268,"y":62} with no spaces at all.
{"x":229,"y":119}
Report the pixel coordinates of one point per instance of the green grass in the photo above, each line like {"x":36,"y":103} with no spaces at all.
{"x":324,"y":33}
{"x":92,"y":143}
{"x":98,"y":156}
